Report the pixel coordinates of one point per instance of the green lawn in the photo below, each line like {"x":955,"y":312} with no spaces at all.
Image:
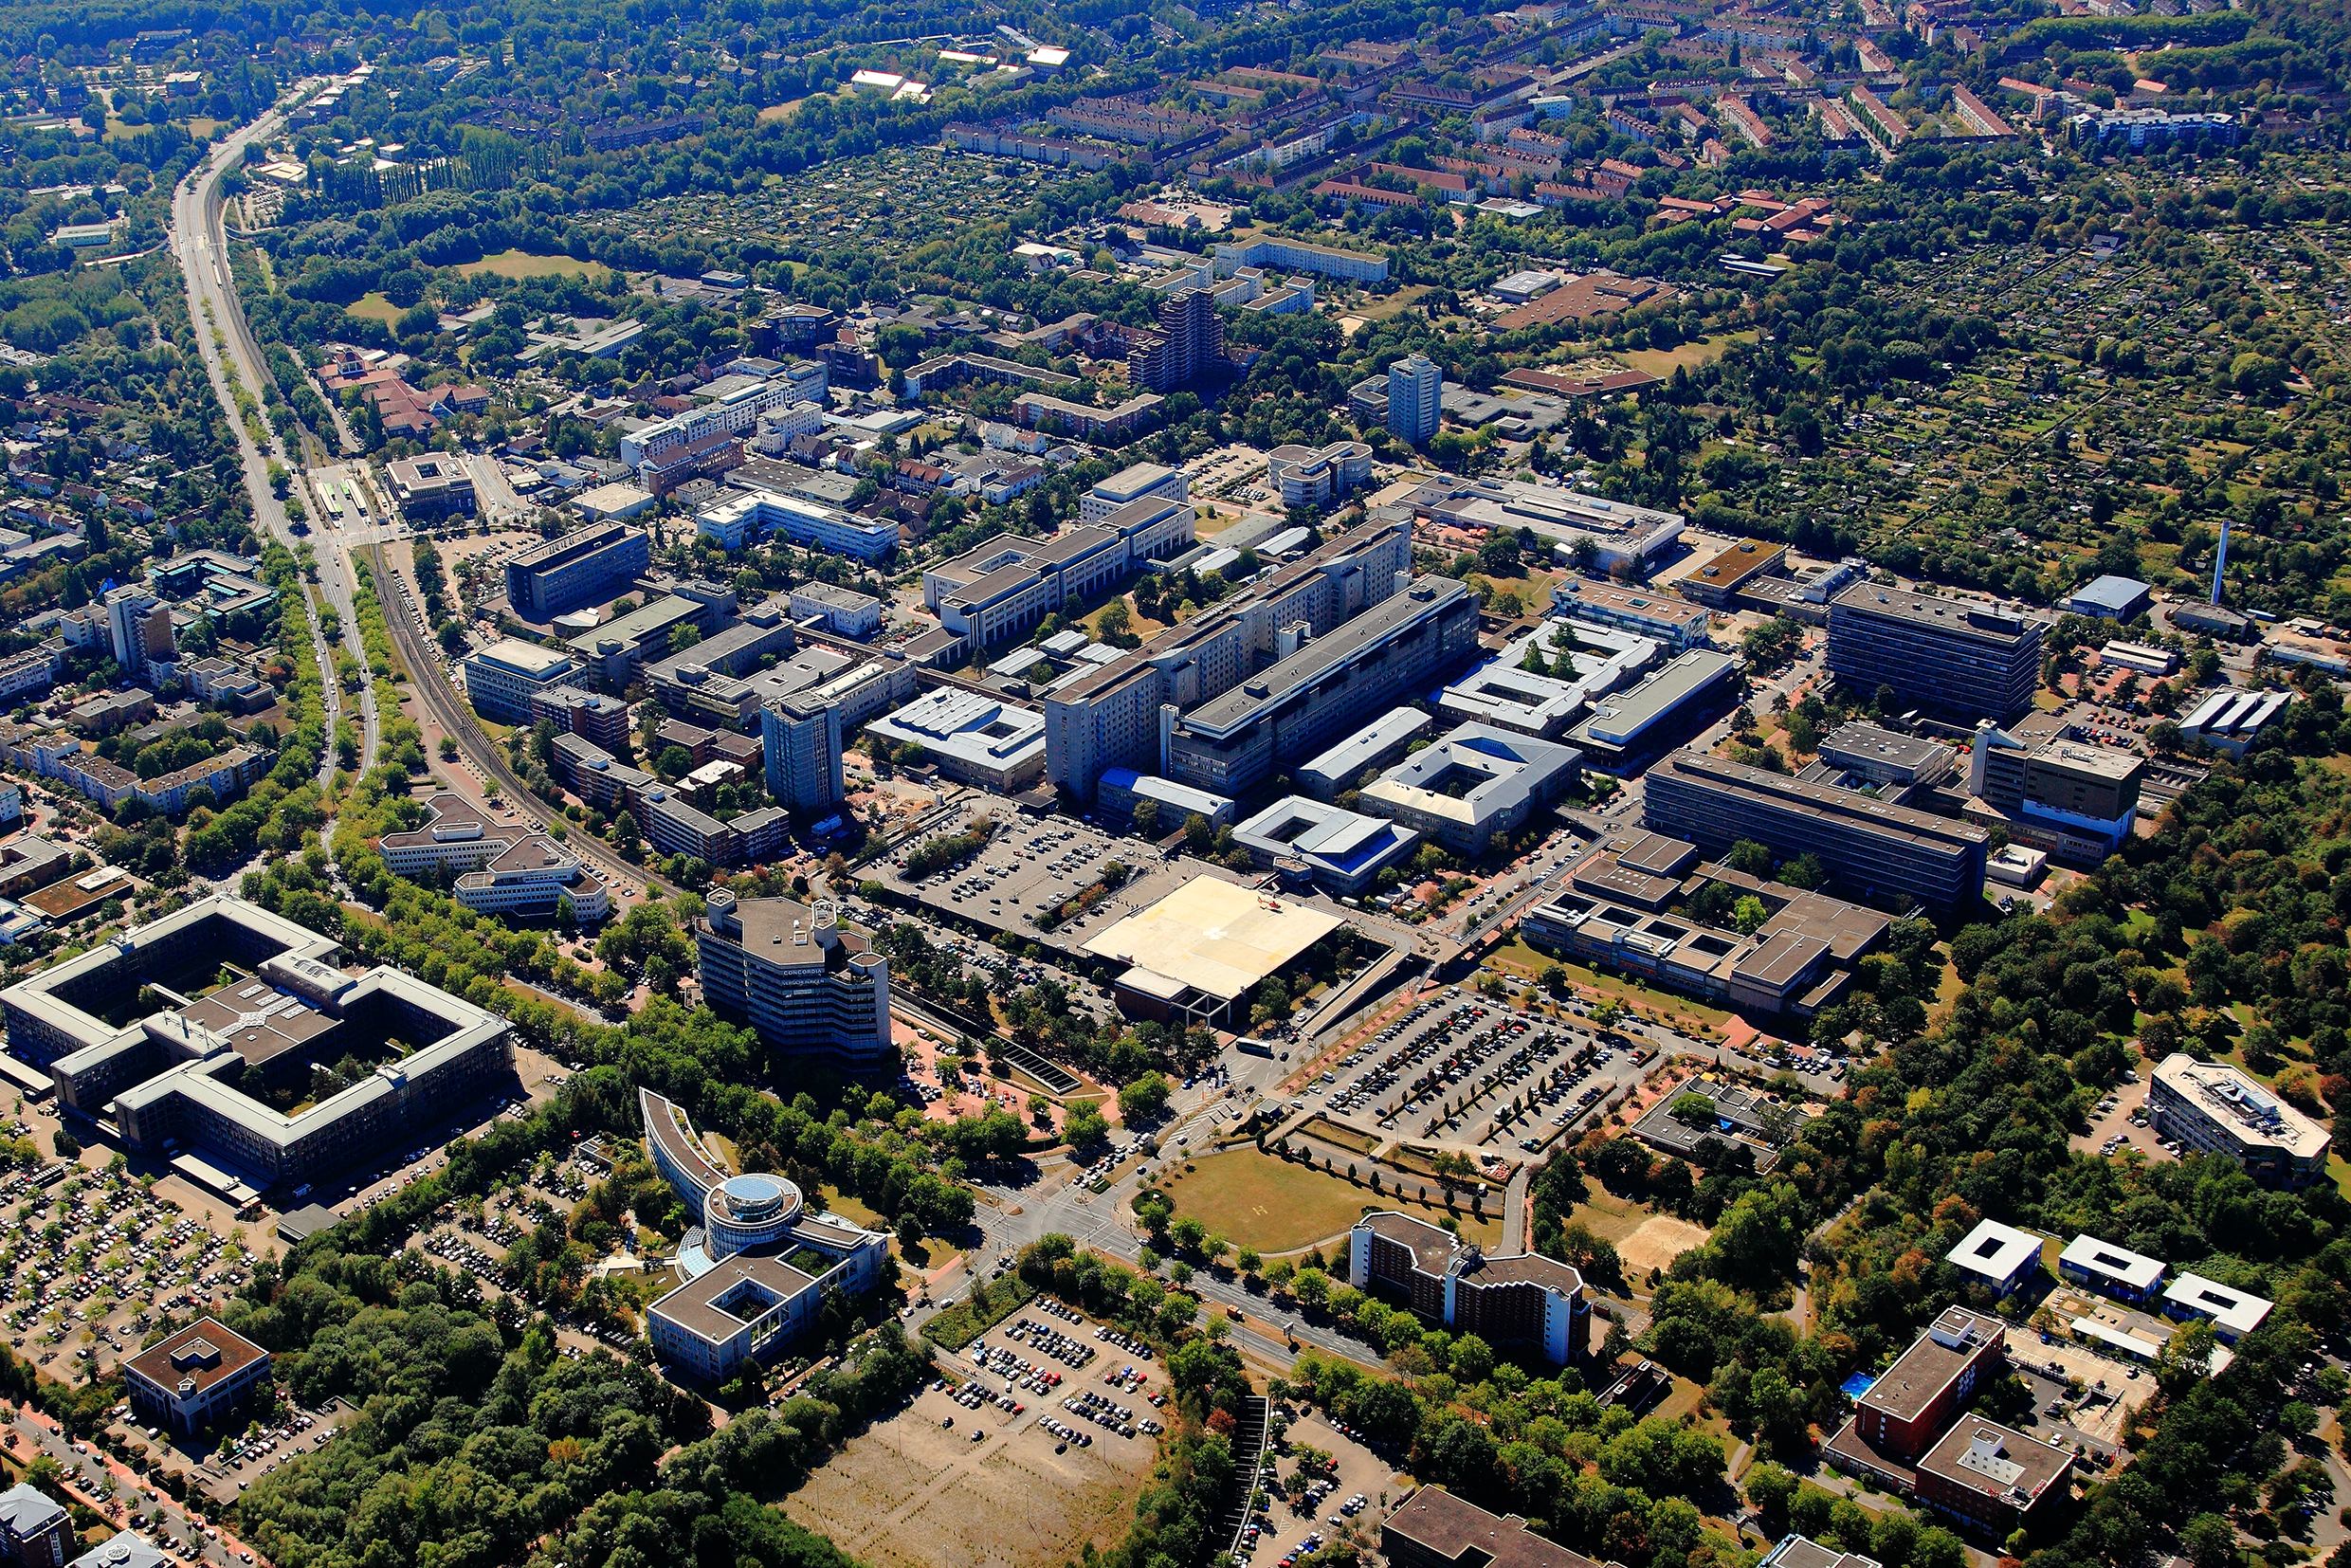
{"x":375,"y":306}
{"x":1277,"y":1206}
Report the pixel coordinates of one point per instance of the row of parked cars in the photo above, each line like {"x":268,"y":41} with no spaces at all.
{"x":1051,"y":1342}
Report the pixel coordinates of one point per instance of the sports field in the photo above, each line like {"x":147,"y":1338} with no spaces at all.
{"x":1277,"y":1206}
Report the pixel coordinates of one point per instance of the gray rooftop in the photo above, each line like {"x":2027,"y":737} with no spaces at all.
{"x":1224,"y":713}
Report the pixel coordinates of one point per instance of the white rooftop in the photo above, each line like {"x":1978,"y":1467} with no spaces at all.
{"x":2233,"y":1311}
{"x":1995,"y":1251}
{"x":2135,"y":1270}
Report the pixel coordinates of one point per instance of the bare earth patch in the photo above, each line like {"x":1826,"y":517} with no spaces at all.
{"x":910,"y":1494}
{"x":1660,"y":1239}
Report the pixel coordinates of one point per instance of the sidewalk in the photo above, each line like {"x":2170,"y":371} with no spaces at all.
{"x":126,"y":1481}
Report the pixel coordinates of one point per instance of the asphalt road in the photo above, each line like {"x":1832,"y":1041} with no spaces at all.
{"x":199,"y":238}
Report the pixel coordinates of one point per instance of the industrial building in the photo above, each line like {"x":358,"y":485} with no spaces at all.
{"x":586,"y":566}
{"x":1505,"y":1298}
{"x":759,"y":1264}
{"x":2232,"y":721}
{"x":1872,"y":846}
{"x":191,"y":1075}
{"x":1475,"y":783}
{"x":1293,"y":709}
{"x":2214,"y":1109}
{"x":2112,"y":598}
{"x":1112,"y":718}
{"x":811,"y":989}
{"x":1960,"y":658}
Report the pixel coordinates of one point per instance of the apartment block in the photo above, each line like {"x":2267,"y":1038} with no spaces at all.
{"x":1914,"y":1401}
{"x":1954,"y":656}
{"x":801,"y":743}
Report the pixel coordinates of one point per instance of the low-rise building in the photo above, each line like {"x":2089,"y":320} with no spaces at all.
{"x":1676,"y":623}
{"x":2233,"y":1313}
{"x":844,"y":611}
{"x":974,"y":739}
{"x":2116,"y":1271}
{"x":1986,"y":1475}
{"x":1318,"y":845}
{"x":2001,"y":1257}
{"x":1476,"y":782}
{"x":434,"y":485}
{"x":1641,"y":719}
{"x":2112,"y":598}
{"x":1122,"y":791}
{"x":2214,"y":1109}
{"x":196,"y":1377}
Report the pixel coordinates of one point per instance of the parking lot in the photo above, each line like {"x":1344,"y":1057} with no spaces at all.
{"x":1327,"y":1487}
{"x":1463,"y":1068}
{"x":2119,"y":1121}
{"x":1025,"y":868}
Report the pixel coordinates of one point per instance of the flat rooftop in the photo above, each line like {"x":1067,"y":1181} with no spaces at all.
{"x":1887,"y":748}
{"x":2135,"y":1270}
{"x":1905,"y":1390}
{"x":1355,"y":754}
{"x":1619,"y":719}
{"x":260,"y":1022}
{"x":1988,"y":1458}
{"x":1995,"y":1251}
{"x":1459,"y":1531}
{"x":205,"y":1352}
{"x":1427,"y":596}
{"x":1899,"y":822}
{"x":1214,"y":937}
{"x":527,"y":659}
{"x":1974,"y":619}
{"x":2242,"y":1105}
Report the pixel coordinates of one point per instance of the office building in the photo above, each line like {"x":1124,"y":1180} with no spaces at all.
{"x":811,"y":989}
{"x":1985,"y":1475}
{"x":800,"y":741}
{"x":1475,"y":783}
{"x":1868,"y":756}
{"x":1618,"y":539}
{"x":759,"y":1263}
{"x":1306,"y":476}
{"x":501,"y":679}
{"x":2140,"y":658}
{"x":429,"y":487}
{"x":139,"y":627}
{"x":2233,"y":1313}
{"x":1122,"y":793}
{"x":1871,"y":848}
{"x":1434,"y":1528}
{"x":588,"y":565}
{"x":1802,"y":1552}
{"x":1673,"y":623}
{"x":1113,"y":717}
{"x":1295,"y":708}
{"x":590,"y":714}
{"x":34,"y":1531}
{"x":175,"y":1078}
{"x":2213,"y":1109}
{"x":1314,"y":845}
{"x":1636,"y":723}
{"x":2116,"y":1271}
{"x":844,"y":611}
{"x":2000,"y":1257}
{"x":613,"y":652}
{"x":196,"y":1377}
{"x":125,"y":1549}
{"x":1415,"y":387}
{"x":1959,"y":658}
{"x":497,"y":868}
{"x":1139,"y":482}
{"x":1505,"y":1298}
{"x":1376,"y":745}
{"x":2071,"y":799}
{"x":705,"y":681}
{"x":757,"y":515}
{"x":1003,"y":587}
{"x":1909,"y":1405}
{"x":1719,"y":582}
{"x":972,"y":740}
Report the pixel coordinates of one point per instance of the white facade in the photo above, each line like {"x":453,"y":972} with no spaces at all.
{"x":1308,"y":476}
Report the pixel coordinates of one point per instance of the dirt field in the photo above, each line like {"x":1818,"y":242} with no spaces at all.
{"x":1660,"y":1240}
{"x":520,"y":263}
{"x":910,"y":1494}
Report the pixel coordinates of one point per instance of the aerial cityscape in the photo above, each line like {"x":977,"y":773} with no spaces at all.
{"x":1230,"y":784}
